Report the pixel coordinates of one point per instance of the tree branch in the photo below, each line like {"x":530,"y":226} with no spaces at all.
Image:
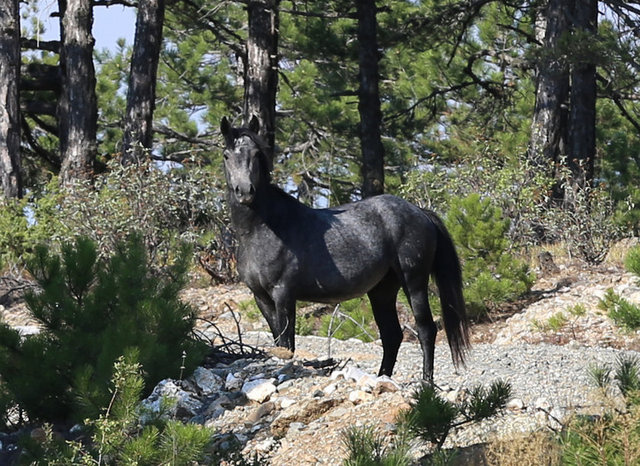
{"x":33,"y":44}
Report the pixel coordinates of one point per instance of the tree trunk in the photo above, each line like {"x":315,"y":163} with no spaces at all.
{"x":10,"y":175}
{"x":550,"y":117}
{"x":261,"y":67}
{"x":141,"y":94}
{"x":582,"y":118}
{"x":77,"y":108}
{"x":369,"y":101}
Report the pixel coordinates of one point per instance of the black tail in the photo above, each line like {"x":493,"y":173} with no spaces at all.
{"x":448,"y":276}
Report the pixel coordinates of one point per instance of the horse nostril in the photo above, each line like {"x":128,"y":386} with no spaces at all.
{"x":252,"y":190}
{"x":237,"y":189}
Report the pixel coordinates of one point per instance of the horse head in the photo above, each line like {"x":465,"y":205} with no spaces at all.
{"x":246,"y":165}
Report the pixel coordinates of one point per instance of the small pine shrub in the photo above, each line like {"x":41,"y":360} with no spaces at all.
{"x":117,"y":436}
{"x":491,"y":274}
{"x":367,"y":447}
{"x":557,"y":321}
{"x":91,"y":313}
{"x":632,"y":261}
{"x":611,"y":438}
{"x":432,"y":418}
{"x":622,"y":312}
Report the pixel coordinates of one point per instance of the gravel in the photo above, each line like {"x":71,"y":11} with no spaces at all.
{"x":558,"y":373}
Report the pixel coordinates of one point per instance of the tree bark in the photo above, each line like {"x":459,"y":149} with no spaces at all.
{"x":141,"y":95}
{"x":550,"y":117}
{"x":261,"y":67}
{"x":582,"y":118}
{"x":10,"y":163}
{"x":369,"y":101}
{"x":77,"y":108}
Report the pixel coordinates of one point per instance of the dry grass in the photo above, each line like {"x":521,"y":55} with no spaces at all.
{"x":536,"y":449}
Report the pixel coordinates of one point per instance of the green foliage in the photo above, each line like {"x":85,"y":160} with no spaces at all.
{"x":491,"y":274}
{"x":614,"y":437}
{"x":367,"y":447}
{"x":27,"y":222}
{"x":91,"y":313}
{"x":117,"y":437}
{"x":304,"y":324}
{"x":632,"y":261}
{"x":627,"y":376}
{"x":432,"y":418}
{"x":622,"y":312}
{"x":584,"y":222}
{"x":163,"y":208}
{"x":484,"y":403}
{"x":353,"y":319}
{"x":557,"y":321}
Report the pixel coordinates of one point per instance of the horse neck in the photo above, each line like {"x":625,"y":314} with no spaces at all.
{"x":268,"y":209}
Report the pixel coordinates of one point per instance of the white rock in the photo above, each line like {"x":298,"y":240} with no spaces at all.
{"x":542,"y":404}
{"x":329,"y":389}
{"x":352,"y":373}
{"x":186,"y":404}
{"x":27,"y":330}
{"x":232,"y":382}
{"x":452,"y":396}
{"x":266,"y":445}
{"x":259,"y":390}
{"x":360,"y":396}
{"x":286,"y":402}
{"x":556,"y":418}
{"x":206,"y":381}
{"x":515,"y":404}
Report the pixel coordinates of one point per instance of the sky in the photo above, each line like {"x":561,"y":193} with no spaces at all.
{"x":109,"y":24}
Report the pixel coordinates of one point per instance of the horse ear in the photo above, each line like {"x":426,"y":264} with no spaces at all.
{"x":254,"y":124}
{"x":225,"y":128}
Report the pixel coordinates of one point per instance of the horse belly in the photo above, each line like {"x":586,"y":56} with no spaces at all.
{"x":337,"y":285}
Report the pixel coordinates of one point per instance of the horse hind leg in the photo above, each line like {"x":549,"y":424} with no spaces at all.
{"x":417,"y":293}
{"x":383,"y":304}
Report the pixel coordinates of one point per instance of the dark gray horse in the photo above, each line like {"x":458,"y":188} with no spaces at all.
{"x":290,"y":252}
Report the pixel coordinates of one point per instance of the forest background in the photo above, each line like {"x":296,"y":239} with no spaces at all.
{"x":530,"y":105}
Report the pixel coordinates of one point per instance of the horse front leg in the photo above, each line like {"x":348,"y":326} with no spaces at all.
{"x":268,"y":309}
{"x":286,"y":321}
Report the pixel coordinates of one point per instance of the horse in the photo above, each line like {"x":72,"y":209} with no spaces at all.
{"x":288,"y":252}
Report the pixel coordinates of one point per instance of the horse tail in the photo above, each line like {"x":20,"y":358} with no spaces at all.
{"x":448,"y":275}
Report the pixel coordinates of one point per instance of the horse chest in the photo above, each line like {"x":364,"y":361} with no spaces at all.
{"x":265,"y":265}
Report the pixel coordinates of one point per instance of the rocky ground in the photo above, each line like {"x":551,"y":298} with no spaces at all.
{"x":293,"y":409}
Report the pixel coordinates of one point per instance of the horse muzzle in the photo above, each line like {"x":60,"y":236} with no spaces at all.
{"x":245,"y":195}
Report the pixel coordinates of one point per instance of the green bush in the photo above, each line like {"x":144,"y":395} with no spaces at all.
{"x":366,"y":447}
{"x":117,"y":435}
{"x":491,"y":274}
{"x":93,"y":311}
{"x":166,"y":208}
{"x":585,"y":222}
{"x":622,"y":312}
{"x":26,"y":222}
{"x":611,"y":438}
{"x":432,"y":418}
{"x":632,"y":261}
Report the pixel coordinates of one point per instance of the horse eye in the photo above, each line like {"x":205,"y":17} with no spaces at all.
{"x":225,"y":154}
